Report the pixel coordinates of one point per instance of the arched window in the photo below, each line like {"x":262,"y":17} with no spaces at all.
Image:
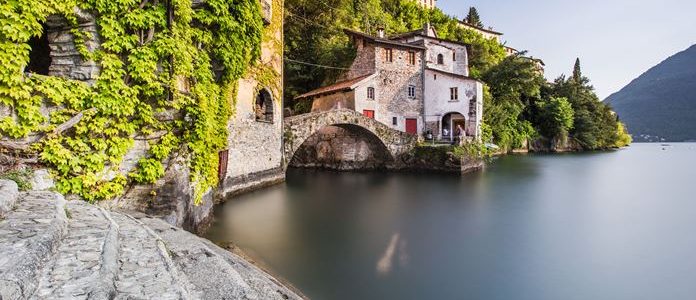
{"x":264,"y":106}
{"x":440,"y":59}
{"x":371,"y":93}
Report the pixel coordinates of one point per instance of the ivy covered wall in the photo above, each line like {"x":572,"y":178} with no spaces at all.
{"x":168,"y":75}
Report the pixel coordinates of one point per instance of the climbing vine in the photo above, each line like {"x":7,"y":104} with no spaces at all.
{"x":168,"y":76}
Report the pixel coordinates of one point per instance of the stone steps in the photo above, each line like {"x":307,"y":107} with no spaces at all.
{"x":82,"y":257}
{"x":53,"y":249}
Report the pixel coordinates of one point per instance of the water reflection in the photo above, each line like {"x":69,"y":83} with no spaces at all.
{"x":612,"y":225}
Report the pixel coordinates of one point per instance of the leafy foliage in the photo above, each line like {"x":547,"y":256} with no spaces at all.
{"x":514,"y":85}
{"x":22,"y":177}
{"x":555,"y":116}
{"x":144,"y":58}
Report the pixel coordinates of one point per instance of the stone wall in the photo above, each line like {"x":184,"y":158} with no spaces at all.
{"x":364,"y":62}
{"x":393,"y":80}
{"x":255,"y":155}
{"x":342,"y":148}
{"x":299,"y":129}
{"x":66,"y":61}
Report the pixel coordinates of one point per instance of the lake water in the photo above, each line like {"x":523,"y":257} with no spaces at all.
{"x":607,"y":225}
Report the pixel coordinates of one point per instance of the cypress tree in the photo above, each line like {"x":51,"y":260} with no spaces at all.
{"x":473,"y":18}
{"x":577,"y":73}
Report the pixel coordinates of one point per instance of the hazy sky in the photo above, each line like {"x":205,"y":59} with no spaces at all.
{"x":616,"y":40}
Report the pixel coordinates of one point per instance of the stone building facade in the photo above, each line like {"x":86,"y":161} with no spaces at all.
{"x":453,"y":102}
{"x":255,"y":144}
{"x":413,"y":82}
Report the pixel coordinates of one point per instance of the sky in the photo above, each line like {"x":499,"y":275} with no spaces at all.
{"x":616,"y":40}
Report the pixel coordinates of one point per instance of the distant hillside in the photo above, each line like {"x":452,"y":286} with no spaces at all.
{"x":661,"y":104}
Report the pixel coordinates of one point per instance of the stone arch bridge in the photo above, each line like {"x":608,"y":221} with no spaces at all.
{"x":297,"y":129}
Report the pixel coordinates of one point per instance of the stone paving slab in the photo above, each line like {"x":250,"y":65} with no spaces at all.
{"x":28,"y":238}
{"x":53,"y":249}
{"x":8,"y":196}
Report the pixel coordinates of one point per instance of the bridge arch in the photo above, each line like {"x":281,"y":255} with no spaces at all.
{"x":298,"y":129}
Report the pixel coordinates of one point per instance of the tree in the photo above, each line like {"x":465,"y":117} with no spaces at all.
{"x":577,"y":73}
{"x":473,"y":18}
{"x":556,"y":117}
{"x":514,"y":83}
{"x":595,"y":125}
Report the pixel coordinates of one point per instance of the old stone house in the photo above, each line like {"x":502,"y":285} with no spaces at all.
{"x":413,"y":82}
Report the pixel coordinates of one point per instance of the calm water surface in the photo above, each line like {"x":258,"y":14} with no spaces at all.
{"x":612,"y":225}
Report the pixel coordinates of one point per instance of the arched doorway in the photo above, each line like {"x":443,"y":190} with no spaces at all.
{"x":453,"y":126}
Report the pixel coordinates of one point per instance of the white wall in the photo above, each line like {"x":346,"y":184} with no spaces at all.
{"x":459,"y":66}
{"x":437,"y":98}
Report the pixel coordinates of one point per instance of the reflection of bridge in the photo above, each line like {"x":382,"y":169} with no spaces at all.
{"x":298,"y":129}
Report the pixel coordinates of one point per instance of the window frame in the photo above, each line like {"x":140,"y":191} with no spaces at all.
{"x":454,"y":94}
{"x":412,"y":91}
{"x":389,"y":55}
{"x":412,"y":58}
{"x":370,"y":93}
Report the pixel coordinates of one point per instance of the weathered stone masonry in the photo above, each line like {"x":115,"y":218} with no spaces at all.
{"x":66,"y":61}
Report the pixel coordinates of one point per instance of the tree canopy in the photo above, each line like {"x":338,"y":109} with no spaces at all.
{"x":473,"y":17}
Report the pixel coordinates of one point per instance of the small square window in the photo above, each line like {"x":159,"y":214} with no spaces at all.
{"x":454,"y":94}
{"x":412,"y":91}
{"x":395,"y":121}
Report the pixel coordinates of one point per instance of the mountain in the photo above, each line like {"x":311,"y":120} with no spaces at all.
{"x":660,"y":105}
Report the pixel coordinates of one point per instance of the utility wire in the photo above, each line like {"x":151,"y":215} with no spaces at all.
{"x":324,"y":66}
{"x":315,"y":65}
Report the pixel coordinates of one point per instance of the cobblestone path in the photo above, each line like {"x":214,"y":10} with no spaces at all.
{"x":53,"y":249}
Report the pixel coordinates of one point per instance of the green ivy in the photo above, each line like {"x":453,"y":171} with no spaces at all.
{"x":144,"y":61}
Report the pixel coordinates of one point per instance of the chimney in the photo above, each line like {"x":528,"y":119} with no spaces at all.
{"x":426,"y":28}
{"x":380,"y":32}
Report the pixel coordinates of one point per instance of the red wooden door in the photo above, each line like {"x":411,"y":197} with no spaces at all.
{"x":412,"y":126}
{"x":369,"y":113}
